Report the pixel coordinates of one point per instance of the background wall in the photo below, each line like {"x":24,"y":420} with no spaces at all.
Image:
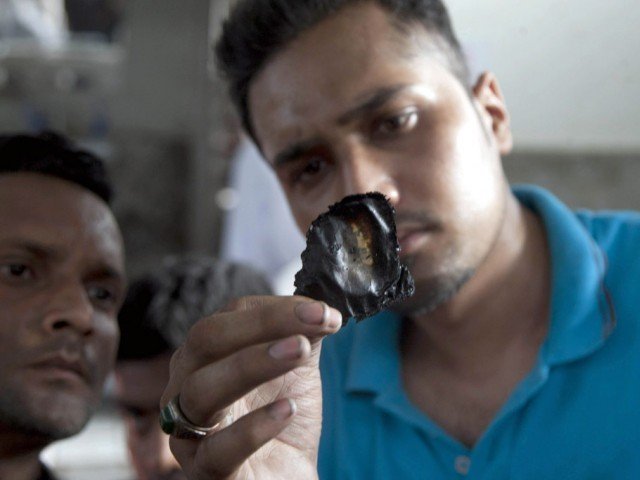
{"x":570,"y":73}
{"x":569,"y":68}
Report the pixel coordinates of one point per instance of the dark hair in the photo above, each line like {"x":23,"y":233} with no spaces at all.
{"x":258,"y":29}
{"x":52,"y":154}
{"x":161,"y":307}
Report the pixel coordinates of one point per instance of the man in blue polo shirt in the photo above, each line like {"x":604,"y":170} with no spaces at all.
{"x":517,"y":358}
{"x":574,"y":415}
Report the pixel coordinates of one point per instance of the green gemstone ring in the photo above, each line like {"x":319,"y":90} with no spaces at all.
{"x":176,"y":424}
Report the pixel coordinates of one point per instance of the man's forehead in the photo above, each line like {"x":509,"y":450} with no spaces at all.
{"x":301,"y":120}
{"x":349,"y":55}
{"x":57,"y":215}
{"x":47,"y":193}
{"x":363,"y":29}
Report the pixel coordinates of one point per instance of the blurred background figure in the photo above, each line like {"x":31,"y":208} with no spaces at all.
{"x":62,"y":282}
{"x":157,"y":313}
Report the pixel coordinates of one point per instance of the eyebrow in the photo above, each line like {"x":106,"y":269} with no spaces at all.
{"x":370,"y":103}
{"x":33,"y":248}
{"x":293,"y":152}
{"x":100,"y":270}
{"x":107,"y":272}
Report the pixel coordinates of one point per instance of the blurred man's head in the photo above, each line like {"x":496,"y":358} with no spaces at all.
{"x":154,"y":320}
{"x":61,"y":285}
{"x":346,"y":97}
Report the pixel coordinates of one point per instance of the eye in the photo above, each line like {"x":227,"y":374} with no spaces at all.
{"x":404,"y":122}
{"x":104,"y":297}
{"x":309,"y":171}
{"x":16,"y":271}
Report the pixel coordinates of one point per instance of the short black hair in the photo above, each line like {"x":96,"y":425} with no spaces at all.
{"x":258,"y":29}
{"x":161,"y":306}
{"x":52,"y":154}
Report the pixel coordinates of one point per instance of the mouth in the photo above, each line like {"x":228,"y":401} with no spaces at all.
{"x":60,"y":368}
{"x":412,"y":239}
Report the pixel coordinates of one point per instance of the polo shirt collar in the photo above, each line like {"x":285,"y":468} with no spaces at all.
{"x":580,"y":316}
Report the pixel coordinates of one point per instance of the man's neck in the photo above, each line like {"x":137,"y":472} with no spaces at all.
{"x":19,"y":456}
{"x":504,"y":305}
{"x":21,"y":467}
{"x":461,"y":363}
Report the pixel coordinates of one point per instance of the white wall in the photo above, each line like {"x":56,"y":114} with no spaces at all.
{"x":570,"y":69}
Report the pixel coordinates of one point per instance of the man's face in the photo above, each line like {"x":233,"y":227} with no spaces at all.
{"x":354,"y":105}
{"x":139,"y":386}
{"x":61,"y":285}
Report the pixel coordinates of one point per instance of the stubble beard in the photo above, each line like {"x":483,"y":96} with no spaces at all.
{"x":433,"y":292}
{"x":43,"y":419}
{"x":435,"y":289}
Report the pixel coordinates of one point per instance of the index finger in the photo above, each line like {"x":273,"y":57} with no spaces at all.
{"x":248,"y":321}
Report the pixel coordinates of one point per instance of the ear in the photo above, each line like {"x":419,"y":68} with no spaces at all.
{"x":494,"y":110}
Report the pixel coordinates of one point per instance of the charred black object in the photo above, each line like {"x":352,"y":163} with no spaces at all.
{"x":351,"y":261}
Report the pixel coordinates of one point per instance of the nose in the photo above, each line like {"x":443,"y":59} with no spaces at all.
{"x":69,"y":307}
{"x":368,"y":171}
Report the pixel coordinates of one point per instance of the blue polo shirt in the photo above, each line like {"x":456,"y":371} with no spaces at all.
{"x":576,"y":415}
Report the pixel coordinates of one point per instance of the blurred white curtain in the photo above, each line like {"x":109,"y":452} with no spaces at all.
{"x":42,"y":20}
{"x":260,"y":229}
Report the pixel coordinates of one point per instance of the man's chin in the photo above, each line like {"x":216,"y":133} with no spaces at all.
{"x":432,"y":293}
{"x":54,"y":417}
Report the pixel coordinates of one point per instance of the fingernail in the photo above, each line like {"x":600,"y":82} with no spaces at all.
{"x":311,"y":313}
{"x":288,"y":349}
{"x":282,"y":409}
{"x":334,"y":318}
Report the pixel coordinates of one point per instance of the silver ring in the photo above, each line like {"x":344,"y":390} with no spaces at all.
{"x":174,"y":422}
